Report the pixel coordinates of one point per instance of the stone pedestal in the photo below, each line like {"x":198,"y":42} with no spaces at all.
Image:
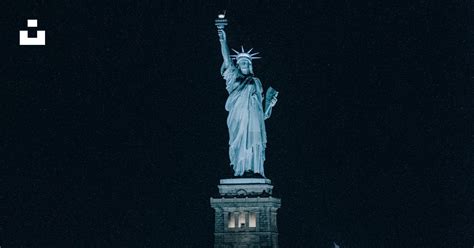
{"x":245,"y":214}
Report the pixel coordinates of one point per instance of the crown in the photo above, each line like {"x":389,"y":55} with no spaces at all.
{"x":244,"y":55}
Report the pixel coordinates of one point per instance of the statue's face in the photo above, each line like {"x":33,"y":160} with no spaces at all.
{"x":244,"y":66}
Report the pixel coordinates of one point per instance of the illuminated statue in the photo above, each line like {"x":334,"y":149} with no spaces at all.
{"x":247,"y":136}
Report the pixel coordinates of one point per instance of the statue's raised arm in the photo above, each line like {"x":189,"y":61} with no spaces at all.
{"x":224,"y":48}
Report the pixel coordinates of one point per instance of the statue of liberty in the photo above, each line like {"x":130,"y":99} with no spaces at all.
{"x":247,"y":135}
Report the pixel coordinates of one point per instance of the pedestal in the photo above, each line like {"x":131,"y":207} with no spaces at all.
{"x":245,"y":214}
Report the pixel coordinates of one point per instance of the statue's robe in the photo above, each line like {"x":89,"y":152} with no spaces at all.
{"x":247,"y":136}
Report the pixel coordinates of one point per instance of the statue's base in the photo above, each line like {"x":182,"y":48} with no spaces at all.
{"x":245,"y":213}
{"x":245,"y":187}
{"x":250,"y":174}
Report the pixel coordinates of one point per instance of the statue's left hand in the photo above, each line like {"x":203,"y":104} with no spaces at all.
{"x":273,"y":102}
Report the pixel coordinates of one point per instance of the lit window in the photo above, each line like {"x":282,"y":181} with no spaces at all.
{"x":253,"y":220}
{"x":231,"y":222}
{"x":242,"y":220}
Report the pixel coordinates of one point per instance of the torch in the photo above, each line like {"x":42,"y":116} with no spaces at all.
{"x":221,"y":22}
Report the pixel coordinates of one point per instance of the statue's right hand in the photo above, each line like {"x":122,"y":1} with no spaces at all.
{"x":221,"y":33}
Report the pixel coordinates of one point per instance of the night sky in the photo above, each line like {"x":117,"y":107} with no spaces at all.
{"x":114,"y":133}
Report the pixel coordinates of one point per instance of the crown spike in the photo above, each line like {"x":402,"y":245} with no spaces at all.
{"x":244,"y":54}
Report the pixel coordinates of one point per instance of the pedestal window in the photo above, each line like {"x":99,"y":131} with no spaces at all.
{"x":253,"y":219}
{"x":231,"y":220}
{"x":240,"y":220}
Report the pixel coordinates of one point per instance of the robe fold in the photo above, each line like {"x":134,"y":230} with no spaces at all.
{"x":247,"y":136}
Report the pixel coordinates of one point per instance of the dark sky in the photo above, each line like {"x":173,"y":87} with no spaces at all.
{"x":114,"y":133}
